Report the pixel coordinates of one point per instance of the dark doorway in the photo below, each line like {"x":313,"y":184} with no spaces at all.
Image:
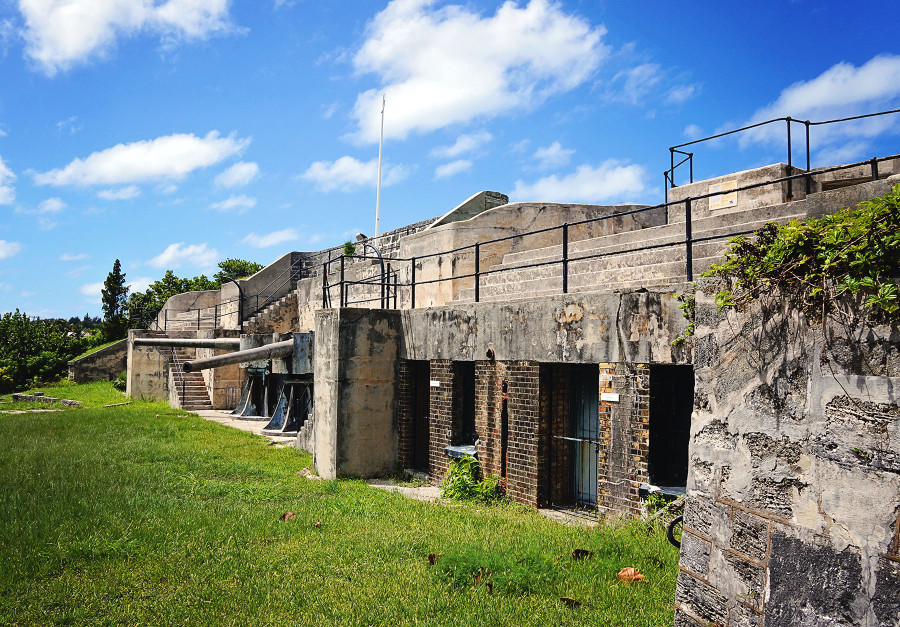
{"x":584,"y":392}
{"x":465,"y":402}
{"x":671,"y":404}
{"x":421,"y":410}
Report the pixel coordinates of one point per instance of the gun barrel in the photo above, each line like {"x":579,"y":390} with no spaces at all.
{"x":269,"y":351}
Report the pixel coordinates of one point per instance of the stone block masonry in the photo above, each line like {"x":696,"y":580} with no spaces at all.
{"x":794,"y":488}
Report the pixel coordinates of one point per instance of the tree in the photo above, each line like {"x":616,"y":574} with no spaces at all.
{"x":236,"y":269}
{"x":114,"y":295}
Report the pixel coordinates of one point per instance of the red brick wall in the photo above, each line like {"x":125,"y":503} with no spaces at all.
{"x":442,"y":416}
{"x":524,"y":407}
{"x":624,"y":438}
{"x":489,"y":376}
{"x":556,"y":453}
{"x":405,"y":414}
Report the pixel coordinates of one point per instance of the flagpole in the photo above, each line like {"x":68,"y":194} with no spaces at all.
{"x":378,"y":188}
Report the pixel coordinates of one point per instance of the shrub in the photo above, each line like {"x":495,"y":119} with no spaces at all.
{"x":121,"y":381}
{"x":464,"y":482}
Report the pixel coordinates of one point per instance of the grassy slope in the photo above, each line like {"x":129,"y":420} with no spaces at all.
{"x":95,"y":349}
{"x":142,"y":515}
{"x":96,"y":394}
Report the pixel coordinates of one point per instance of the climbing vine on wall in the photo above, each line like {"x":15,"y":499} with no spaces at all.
{"x":817,"y":261}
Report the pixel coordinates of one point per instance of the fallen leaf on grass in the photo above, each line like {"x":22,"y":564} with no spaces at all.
{"x":433,"y":558}
{"x":288,"y":516}
{"x":318,"y":523}
{"x":570,"y":602}
{"x":629,"y":574}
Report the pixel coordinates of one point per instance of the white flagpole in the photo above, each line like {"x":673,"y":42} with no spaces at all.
{"x":378,"y":188}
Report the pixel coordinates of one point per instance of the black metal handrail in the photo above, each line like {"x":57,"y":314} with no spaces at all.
{"x":565,"y":258}
{"x":689,"y":156}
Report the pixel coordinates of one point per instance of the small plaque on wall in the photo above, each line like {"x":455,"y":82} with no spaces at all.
{"x":722,"y":199}
{"x":435,"y":384}
{"x":612,"y":397}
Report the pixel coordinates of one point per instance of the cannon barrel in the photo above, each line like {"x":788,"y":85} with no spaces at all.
{"x":222,"y":342}
{"x":269,"y":351}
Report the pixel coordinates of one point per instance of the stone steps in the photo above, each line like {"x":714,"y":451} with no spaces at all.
{"x":627,"y":240}
{"x":192,"y":395}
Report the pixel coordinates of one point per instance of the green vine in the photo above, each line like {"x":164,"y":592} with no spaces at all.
{"x":814,"y":262}
{"x":688,"y":307}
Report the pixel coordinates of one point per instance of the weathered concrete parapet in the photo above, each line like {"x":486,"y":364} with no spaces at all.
{"x":637,"y":326}
{"x":103,"y":365}
{"x":356,"y":373}
{"x":794,"y":488}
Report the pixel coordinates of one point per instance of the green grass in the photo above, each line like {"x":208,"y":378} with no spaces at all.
{"x":96,"y":394}
{"x":95,"y":349}
{"x":142,"y":515}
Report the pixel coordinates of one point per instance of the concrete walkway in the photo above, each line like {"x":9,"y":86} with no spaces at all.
{"x":251,"y":426}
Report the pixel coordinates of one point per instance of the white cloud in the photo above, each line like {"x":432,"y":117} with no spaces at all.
{"x":463,"y":144}
{"x":62,"y":34}
{"x":271,"y":239}
{"x":122,"y":193}
{"x":347,"y":174}
{"x":692,"y":132}
{"x":448,"y":65}
{"x":329,"y":110}
{"x":177,"y":255}
{"x":636,"y":82}
{"x":843,"y":90}
{"x":140,"y":284}
{"x":76,"y":257}
{"x":454,"y":167}
{"x":681,"y":93}
{"x":8,"y":249}
{"x":51,"y":205}
{"x":240,"y":203}
{"x":92,"y":290}
{"x":238,"y":175}
{"x":69,"y":126}
{"x":611,"y":180}
{"x":7,"y":191}
{"x":168,"y":157}
{"x":519,"y":146}
{"x":553,"y":156}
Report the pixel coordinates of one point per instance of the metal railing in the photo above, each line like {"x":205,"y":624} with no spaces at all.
{"x":390,"y":285}
{"x":180,"y":372}
{"x":566,"y":257}
{"x":789,"y":121}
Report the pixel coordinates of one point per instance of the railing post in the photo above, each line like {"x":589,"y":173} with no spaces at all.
{"x":166,"y":320}
{"x":396,"y":286}
{"x":691,"y":164}
{"x":343,"y":257}
{"x":790,"y":189}
{"x":688,"y":245}
{"x":874,"y":163}
{"x":808,"y":177}
{"x":325,"y":285}
{"x":672,"y":167}
{"x":477,"y":270}
{"x":565,"y":258}
{"x":386,"y":288}
{"x":412,"y":284}
{"x":198,"y":318}
{"x":216,"y":316}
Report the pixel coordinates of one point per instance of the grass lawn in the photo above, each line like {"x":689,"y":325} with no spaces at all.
{"x":144,"y":515}
{"x":97,"y":348}
{"x":96,"y":394}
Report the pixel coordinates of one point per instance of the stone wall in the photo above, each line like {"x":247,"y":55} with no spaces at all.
{"x":356,"y":372}
{"x":103,"y":365}
{"x":794,"y":483}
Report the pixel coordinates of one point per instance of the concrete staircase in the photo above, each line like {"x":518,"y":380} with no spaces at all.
{"x":193,"y":394}
{"x":190,"y":321}
{"x":277,"y":317}
{"x":611,"y":261}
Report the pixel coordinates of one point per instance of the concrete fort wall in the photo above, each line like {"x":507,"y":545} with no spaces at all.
{"x":103,"y":365}
{"x":356,"y":373}
{"x":793,"y":509}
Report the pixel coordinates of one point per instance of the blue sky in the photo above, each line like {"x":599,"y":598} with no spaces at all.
{"x":172,"y":134}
